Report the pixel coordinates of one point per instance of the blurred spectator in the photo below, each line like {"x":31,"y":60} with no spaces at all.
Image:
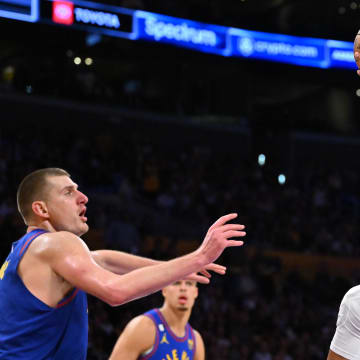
{"x":121,"y":233}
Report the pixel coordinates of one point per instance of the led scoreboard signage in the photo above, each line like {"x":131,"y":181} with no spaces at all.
{"x":116,"y":21}
{"x":226,"y":41}
{"x":26,"y":10}
{"x":89,"y":16}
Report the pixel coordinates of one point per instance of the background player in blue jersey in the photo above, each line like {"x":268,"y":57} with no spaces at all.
{"x":43,"y":308}
{"x":164,"y":333}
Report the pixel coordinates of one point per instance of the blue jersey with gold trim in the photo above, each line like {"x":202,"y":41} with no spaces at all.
{"x":30,"y":329}
{"x":167,"y":345}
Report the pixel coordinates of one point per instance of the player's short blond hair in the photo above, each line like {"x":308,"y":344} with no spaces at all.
{"x":34,"y":187}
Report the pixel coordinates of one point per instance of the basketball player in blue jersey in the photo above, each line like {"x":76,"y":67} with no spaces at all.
{"x":45,"y":278}
{"x":164,"y":334}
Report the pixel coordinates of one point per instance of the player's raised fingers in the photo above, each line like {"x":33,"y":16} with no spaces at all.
{"x":217,"y":269}
{"x":228,"y":227}
{"x":200,"y":279}
{"x":234,"y":243}
{"x":220,"y":271}
{"x":222,"y":220}
{"x":234,"y":233}
{"x":205,"y":273}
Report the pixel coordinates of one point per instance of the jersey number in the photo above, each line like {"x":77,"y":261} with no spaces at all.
{"x":3,"y":269}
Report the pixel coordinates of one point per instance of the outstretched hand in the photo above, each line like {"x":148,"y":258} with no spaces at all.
{"x":204,"y":276}
{"x":357,"y":51}
{"x":219,"y":237}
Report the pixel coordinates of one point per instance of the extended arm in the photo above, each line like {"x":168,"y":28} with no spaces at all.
{"x":70,"y":258}
{"x":345,"y":344}
{"x":120,"y":262}
{"x":138,"y":337}
{"x":334,"y":356}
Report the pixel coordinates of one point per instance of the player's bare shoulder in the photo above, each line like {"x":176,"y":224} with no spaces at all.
{"x":198,"y":337}
{"x":56,"y":243}
{"x":142,"y":326}
{"x":46,"y":248}
{"x":36,"y":266}
{"x":137,"y":338}
{"x":200,"y":347}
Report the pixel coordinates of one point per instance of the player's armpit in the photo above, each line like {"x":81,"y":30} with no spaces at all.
{"x":138,"y":337}
{"x":334,"y":356}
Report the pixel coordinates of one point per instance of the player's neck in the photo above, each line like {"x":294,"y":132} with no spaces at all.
{"x":176,"y":319}
{"x":45,"y":225}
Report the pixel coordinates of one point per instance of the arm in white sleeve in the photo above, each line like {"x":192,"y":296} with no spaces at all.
{"x":346,"y":341}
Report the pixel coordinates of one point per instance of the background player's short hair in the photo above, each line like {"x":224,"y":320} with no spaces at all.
{"x":32,"y":188}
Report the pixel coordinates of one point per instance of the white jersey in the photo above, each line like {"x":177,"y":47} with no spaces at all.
{"x":346,"y":341}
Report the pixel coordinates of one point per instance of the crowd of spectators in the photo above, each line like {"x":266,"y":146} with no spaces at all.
{"x":141,"y":184}
{"x":168,"y":84}
{"x":159,"y":184}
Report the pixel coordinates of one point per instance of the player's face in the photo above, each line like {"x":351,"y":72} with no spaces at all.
{"x":181,"y":294}
{"x":66,"y":205}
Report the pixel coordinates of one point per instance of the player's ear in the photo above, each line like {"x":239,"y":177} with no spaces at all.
{"x":40,"y":209}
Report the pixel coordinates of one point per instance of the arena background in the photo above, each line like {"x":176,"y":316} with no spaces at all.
{"x":164,"y":140}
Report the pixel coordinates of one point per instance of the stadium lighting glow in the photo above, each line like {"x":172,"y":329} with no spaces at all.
{"x":261,"y":159}
{"x":88,"y":61}
{"x":281,"y":179}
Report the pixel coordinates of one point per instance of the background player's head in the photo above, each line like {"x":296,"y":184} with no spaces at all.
{"x":180,"y":295}
{"x":49,"y":195}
